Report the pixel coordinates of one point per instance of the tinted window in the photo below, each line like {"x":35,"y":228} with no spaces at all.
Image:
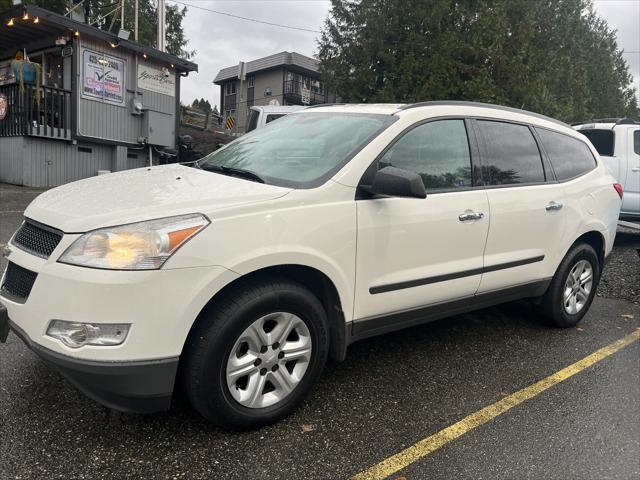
{"x":437,"y":151}
{"x":274,"y":116}
{"x":603,"y":140}
{"x":636,"y":142}
{"x":253,"y":120}
{"x":511,"y":154}
{"x":569,"y":156}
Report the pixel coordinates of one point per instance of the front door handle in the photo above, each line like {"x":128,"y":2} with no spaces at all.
{"x":635,"y":169}
{"x":554,"y":206}
{"x":469,"y":215}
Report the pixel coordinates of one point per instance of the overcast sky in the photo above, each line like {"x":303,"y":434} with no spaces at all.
{"x":222,"y":41}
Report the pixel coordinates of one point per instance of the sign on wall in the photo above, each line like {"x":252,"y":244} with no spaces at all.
{"x":103,"y":77}
{"x":157,"y":80}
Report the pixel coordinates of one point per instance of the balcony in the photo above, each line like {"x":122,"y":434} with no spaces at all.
{"x":293,"y":93}
{"x":48,"y":117}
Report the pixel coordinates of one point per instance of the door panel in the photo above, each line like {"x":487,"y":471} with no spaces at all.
{"x":522,"y":231}
{"x":409,"y":248}
{"x":526,"y":213}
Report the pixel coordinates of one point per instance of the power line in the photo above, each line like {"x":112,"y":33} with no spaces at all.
{"x":245,"y":18}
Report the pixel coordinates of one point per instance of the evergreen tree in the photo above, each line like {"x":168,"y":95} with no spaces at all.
{"x":558,"y":58}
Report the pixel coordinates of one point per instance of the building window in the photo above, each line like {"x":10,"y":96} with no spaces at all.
{"x":251,"y":81}
{"x":231,"y":88}
{"x":230,"y":113}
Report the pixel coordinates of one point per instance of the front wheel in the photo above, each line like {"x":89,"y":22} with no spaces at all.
{"x":256,"y":354}
{"x":573,"y":287}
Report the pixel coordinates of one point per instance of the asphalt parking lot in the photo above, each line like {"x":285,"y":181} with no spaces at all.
{"x":391,"y":392}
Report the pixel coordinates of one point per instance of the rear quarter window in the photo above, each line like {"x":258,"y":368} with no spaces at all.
{"x":569,"y":156}
{"x":603,"y":140}
{"x":636,"y":142}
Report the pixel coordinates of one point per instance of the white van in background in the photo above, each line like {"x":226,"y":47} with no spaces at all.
{"x":260,"y":116}
{"x":618,"y":143}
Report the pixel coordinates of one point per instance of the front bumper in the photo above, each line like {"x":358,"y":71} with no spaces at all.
{"x":140,"y":386}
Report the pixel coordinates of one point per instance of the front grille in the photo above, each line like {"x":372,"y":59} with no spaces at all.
{"x":17,"y":283}
{"x":37,"y":239}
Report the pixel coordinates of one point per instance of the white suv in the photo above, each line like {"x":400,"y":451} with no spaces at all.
{"x":617,"y":140}
{"x":336,"y":223}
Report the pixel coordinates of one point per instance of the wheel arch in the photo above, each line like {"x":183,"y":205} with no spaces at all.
{"x":596,"y":240}
{"x":318,"y":284}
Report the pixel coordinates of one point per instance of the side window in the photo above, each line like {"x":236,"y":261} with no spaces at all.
{"x":569,"y":156}
{"x":437,"y":151}
{"x":511,"y":154}
{"x":636,"y":142}
{"x":274,"y":116}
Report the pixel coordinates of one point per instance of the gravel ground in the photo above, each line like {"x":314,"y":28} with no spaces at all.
{"x":621,"y":276}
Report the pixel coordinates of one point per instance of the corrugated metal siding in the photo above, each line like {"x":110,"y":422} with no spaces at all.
{"x":104,"y":121}
{"x":11,"y":152}
{"x":49,"y":163}
{"x":36,"y":162}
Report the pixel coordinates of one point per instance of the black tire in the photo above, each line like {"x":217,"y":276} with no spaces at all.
{"x":552,"y":303}
{"x":210,"y":342}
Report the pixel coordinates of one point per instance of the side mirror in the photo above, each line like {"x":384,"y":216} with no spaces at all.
{"x":396,"y":182}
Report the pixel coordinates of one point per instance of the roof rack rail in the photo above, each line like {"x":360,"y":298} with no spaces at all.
{"x":616,"y":121}
{"x":481,"y":104}
{"x":324,"y":105}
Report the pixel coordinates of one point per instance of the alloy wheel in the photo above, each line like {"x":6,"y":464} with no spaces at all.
{"x":268,"y":360}
{"x":578,"y":287}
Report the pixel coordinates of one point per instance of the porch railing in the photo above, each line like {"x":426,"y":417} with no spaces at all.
{"x":45,"y":115}
{"x":295,"y":91}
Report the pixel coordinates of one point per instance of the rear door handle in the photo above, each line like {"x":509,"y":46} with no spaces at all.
{"x":635,"y":169}
{"x":468,"y":215}
{"x":554,"y":206}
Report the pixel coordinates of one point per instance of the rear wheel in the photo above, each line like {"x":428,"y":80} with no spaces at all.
{"x":256,"y":354}
{"x":573,"y":287}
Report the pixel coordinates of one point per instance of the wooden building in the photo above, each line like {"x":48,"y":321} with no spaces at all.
{"x":98,"y":102}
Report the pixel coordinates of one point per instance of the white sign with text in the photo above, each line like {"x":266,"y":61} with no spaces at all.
{"x":103,"y":77}
{"x":157,"y":80}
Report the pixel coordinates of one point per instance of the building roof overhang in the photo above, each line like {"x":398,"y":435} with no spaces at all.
{"x":53,"y":24}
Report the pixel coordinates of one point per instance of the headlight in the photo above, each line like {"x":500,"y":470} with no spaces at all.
{"x":136,"y":246}
{"x":76,"y":334}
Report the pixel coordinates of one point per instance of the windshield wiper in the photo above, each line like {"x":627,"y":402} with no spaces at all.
{"x":236,"y":172}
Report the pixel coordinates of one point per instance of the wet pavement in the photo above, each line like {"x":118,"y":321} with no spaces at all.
{"x":390,"y":392}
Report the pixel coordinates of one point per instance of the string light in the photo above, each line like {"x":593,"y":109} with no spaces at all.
{"x":25,"y":16}
{"x":10,"y":24}
{"x":77,"y":34}
{"x":36,"y":20}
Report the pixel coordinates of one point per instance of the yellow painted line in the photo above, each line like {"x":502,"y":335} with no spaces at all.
{"x":432,"y":443}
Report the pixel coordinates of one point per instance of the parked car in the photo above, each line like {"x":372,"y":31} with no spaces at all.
{"x":260,"y":116}
{"x":245,"y":273}
{"x":617,"y":140}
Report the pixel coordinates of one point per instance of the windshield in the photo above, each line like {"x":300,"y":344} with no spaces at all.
{"x":300,"y":150}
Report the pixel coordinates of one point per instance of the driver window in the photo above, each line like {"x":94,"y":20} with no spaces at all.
{"x":437,"y":151}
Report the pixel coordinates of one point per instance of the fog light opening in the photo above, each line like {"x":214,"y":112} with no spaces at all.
{"x":79,"y":334}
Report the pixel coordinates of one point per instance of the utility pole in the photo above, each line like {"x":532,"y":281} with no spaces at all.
{"x":242,"y":75}
{"x":122,"y":15}
{"x":135,"y":22}
{"x":161,"y":25}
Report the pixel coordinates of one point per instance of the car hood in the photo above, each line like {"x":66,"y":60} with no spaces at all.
{"x":143,"y":194}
